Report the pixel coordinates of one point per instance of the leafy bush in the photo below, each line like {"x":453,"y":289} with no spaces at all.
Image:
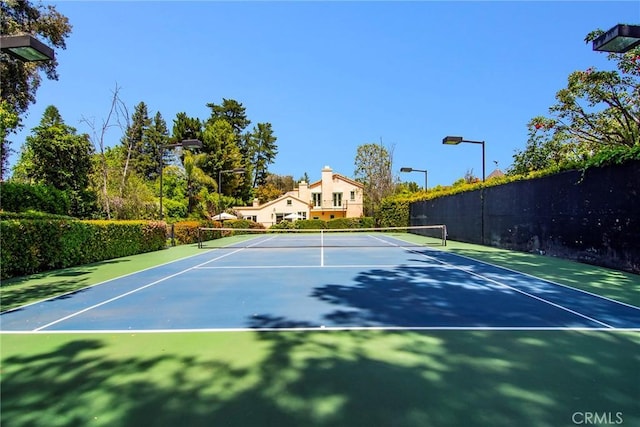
{"x":174,"y":209}
{"x":283,"y":225}
{"x":186,"y":232}
{"x":310,"y":224}
{"x":34,"y":245}
{"x":367,"y":222}
{"x":394,"y":212}
{"x":17,"y":197}
{"x":242,"y":223}
{"x":339,"y":223}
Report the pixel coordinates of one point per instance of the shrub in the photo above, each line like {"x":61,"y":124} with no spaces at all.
{"x":339,"y":223}
{"x":18,"y":197}
{"x":186,"y":232}
{"x":310,"y":224}
{"x":34,"y":245}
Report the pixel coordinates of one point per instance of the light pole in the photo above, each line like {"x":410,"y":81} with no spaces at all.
{"x":183,"y":143}
{"x":455,"y":140}
{"x":426,"y":187}
{"x":619,"y":39}
{"x":26,"y":48}
{"x":237,"y":171}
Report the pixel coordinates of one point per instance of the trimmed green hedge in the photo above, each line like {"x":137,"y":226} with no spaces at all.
{"x":318,"y":224}
{"x":34,"y":245}
{"x":186,"y":232}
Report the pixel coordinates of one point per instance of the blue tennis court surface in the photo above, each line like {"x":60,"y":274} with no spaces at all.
{"x":301,"y":282}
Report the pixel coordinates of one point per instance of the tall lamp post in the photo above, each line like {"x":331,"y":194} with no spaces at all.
{"x":455,"y":140}
{"x":183,"y":143}
{"x":237,"y":171}
{"x":426,"y":187}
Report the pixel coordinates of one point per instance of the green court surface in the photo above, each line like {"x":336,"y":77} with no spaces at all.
{"x":321,"y":377}
{"x":332,"y":378}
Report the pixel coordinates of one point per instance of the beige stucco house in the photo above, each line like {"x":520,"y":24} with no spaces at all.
{"x":334,"y":196}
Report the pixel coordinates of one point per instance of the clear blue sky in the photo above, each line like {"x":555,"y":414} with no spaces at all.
{"x":330,"y":76}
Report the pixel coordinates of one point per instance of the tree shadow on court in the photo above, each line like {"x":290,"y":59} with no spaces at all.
{"x":330,"y":378}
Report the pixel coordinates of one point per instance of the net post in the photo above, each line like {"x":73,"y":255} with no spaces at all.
{"x":199,"y":238}
{"x":444,"y":235}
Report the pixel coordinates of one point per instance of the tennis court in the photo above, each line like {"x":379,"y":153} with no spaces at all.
{"x":386,"y":280}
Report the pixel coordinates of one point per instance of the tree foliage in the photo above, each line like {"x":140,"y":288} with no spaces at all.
{"x":19,"y":81}
{"x":373,"y":168}
{"x":56,"y":155}
{"x":597,"y":112}
{"x":261,"y":152}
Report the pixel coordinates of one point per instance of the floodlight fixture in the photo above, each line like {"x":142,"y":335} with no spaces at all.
{"x":406,"y":169}
{"x":26,"y":48}
{"x":452,"y":140}
{"x":619,"y":39}
{"x":192,"y":143}
{"x":455,"y":140}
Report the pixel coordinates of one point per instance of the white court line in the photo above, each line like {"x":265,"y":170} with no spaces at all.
{"x":105,"y":281}
{"x":550,"y":281}
{"x":519,"y":272}
{"x":503,"y":285}
{"x":136,"y":290}
{"x":275,"y":267}
{"x":331,"y":328}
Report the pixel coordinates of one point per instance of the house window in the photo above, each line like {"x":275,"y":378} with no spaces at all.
{"x":337,"y":200}
{"x":317,"y":199}
{"x":352,"y":196}
{"x":289,"y":202}
{"x":302,"y":215}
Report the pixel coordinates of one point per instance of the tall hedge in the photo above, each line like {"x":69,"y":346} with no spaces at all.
{"x":394,"y":212}
{"x":35,"y":245}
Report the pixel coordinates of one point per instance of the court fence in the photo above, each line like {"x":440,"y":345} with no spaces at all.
{"x":591,"y":216}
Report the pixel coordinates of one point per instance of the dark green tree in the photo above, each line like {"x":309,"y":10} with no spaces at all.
{"x":233,"y":112}
{"x":153,"y":141}
{"x":138,"y":156}
{"x":262,"y":152}
{"x":185,"y":127}
{"x":19,"y":81}
{"x":54,"y":154}
{"x":222,"y":153}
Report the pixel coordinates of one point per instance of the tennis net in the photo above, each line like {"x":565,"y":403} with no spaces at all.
{"x":421,"y":235}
